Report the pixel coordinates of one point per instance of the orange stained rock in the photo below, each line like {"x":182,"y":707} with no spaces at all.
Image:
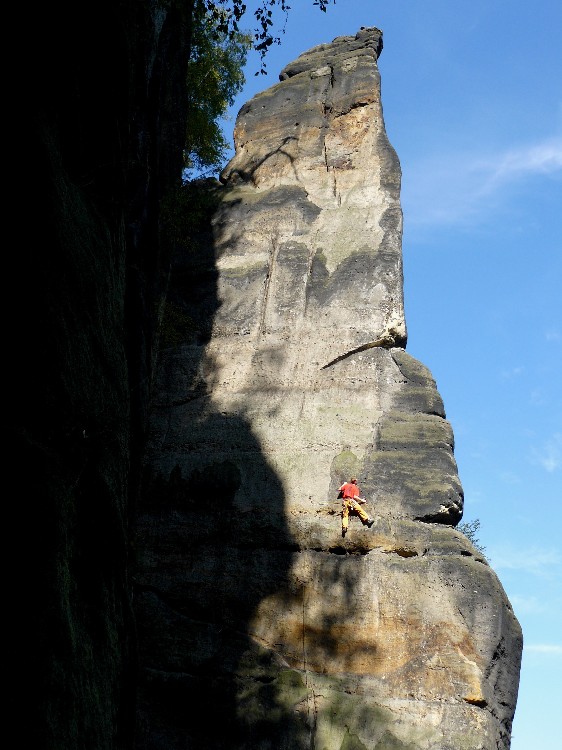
{"x":428,"y":660}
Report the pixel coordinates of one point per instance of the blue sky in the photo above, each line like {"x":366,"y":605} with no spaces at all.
{"x":472,"y":99}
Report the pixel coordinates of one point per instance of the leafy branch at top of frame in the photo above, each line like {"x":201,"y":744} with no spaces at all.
{"x":226,"y":15}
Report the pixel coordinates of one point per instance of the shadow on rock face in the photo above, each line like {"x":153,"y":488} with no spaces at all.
{"x":205,"y":558}
{"x":203,"y":569}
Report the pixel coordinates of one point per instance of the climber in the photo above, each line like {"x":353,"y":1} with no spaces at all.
{"x":351,"y":501}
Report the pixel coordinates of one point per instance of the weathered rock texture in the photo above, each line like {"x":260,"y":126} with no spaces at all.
{"x":259,"y":625}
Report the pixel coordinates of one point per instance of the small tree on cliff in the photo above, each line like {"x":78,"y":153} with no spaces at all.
{"x":470,"y":530}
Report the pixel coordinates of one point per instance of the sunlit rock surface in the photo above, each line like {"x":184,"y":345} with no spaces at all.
{"x":259,"y":625}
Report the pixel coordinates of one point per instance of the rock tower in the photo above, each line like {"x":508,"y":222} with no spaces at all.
{"x":260,"y":626}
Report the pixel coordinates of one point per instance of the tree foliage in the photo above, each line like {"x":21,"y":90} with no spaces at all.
{"x":214,"y":77}
{"x":215,"y":73}
{"x":470,"y":530}
{"x":226,"y":14}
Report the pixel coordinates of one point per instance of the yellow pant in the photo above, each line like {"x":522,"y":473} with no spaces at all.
{"x":350,"y":504}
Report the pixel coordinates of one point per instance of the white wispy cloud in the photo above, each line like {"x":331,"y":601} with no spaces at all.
{"x":458,"y":188}
{"x":549,"y":455}
{"x":528,"y":605}
{"x":533,"y":560}
{"x":542,"y":158}
{"x":553,"y":335}
{"x":537,"y":397}
{"x":514,"y":372}
{"x":508,"y":477}
{"x":544,"y":648}
{"x":476,"y":495}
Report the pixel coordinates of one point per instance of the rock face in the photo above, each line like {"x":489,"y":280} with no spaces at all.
{"x":107,"y":122}
{"x":260,"y":626}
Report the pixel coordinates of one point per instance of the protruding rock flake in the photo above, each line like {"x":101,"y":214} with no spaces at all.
{"x":255,"y":615}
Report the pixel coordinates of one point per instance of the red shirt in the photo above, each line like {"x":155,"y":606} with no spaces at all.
{"x":350,"y":490}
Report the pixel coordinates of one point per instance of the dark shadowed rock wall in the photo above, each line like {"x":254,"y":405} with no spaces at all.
{"x":259,"y":625}
{"x":99,"y":125}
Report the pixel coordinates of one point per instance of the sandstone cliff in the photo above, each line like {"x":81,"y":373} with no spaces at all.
{"x":260,"y":626}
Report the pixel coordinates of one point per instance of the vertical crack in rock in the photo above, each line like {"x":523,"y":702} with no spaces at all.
{"x":267,"y":284}
{"x":387,"y":636}
{"x":327,"y":111}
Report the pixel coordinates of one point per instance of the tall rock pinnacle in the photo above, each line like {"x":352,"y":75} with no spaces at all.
{"x":316,"y":144}
{"x":260,"y":626}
